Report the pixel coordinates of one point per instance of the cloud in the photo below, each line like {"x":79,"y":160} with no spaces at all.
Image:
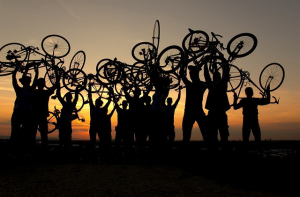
{"x":68,"y":9}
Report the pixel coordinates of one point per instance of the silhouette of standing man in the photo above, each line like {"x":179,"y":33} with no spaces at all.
{"x":41,"y":109}
{"x":217,"y":104}
{"x":22,"y":130}
{"x":250,"y":112}
{"x":193,"y":104}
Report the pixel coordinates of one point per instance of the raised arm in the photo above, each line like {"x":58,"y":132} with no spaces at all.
{"x":183,"y":76}
{"x":178,"y":98}
{"x":36,"y":70}
{"x":206,"y":74}
{"x":90,"y":96}
{"x":14,"y":80}
{"x":235,"y":104}
{"x":112,"y":112}
{"x":58,"y":94}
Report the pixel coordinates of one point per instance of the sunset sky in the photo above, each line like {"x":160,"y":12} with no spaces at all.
{"x":110,"y":28}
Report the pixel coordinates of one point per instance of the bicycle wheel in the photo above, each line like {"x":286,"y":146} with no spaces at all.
{"x":78,"y":60}
{"x":217,"y":66}
{"x":6,"y":68}
{"x":96,"y":84}
{"x":74,"y":78}
{"x":109,"y":73}
{"x":175,"y":80}
{"x":12,"y":51}
{"x":170,"y":59}
{"x":235,"y":78}
{"x":144,"y":52}
{"x":195,"y":41}
{"x":241,"y":45}
{"x":80,"y":102}
{"x":156,"y":34}
{"x":50,"y":78}
{"x":273,"y":75}
{"x":101,"y":63}
{"x":52,"y":122}
{"x":55,"y":46}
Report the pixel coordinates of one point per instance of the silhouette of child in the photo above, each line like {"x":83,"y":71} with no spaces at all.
{"x":170,"y":113}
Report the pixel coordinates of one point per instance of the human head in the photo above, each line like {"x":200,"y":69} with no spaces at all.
{"x":98,"y":102}
{"x":148,"y":100}
{"x":41,"y":83}
{"x":137,"y":92}
{"x":249,"y":92}
{"x":69,"y":97}
{"x":169,"y":101}
{"x":25,"y":80}
{"x":124,"y":104}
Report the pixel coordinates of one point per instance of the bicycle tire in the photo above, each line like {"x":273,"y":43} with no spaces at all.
{"x":170,"y":59}
{"x":144,"y":52}
{"x":156,"y":34}
{"x":101,"y":63}
{"x":175,"y":80}
{"x":80,"y":102}
{"x":235,"y":78}
{"x":109,"y":73}
{"x":272,"y":74}
{"x":246,"y":41}
{"x":55,"y":46}
{"x":15,"y":49}
{"x":96,"y":84}
{"x":220,"y":65}
{"x":200,"y":37}
{"x":6,"y":69}
{"x":78,"y":60}
{"x":52,"y":122}
{"x":50,"y":78}
{"x":74,"y":78}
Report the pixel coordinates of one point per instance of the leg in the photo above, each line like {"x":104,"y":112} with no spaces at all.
{"x":246,"y":133}
{"x":224,"y":132}
{"x":187,"y":126}
{"x":201,"y":120}
{"x":257,"y":135}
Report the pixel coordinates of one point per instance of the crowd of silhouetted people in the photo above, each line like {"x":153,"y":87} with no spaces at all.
{"x":143,"y":121}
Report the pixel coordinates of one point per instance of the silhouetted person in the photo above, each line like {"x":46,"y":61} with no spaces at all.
{"x":65,"y":119}
{"x":193,"y":104}
{"x":41,"y":108}
{"x":123,"y":127}
{"x":158,"y":136}
{"x":97,"y":113}
{"x":136,"y":104}
{"x":22,"y":128}
{"x":250,"y":115}
{"x":217,"y":104}
{"x":170,"y":113}
{"x":105,"y":134}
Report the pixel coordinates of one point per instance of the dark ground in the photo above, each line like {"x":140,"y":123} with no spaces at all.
{"x":193,"y":172}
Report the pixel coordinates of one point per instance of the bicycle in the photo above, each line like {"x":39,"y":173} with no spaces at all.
{"x":272,"y":75}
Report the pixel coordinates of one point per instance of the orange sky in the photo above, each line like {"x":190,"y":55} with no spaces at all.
{"x":109,"y":29}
